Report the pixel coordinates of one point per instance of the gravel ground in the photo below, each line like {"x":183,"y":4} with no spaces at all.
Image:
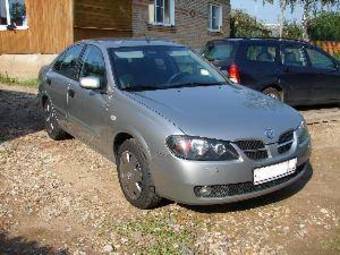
{"x":63,"y":198}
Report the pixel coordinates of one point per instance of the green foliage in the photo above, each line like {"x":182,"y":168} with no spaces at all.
{"x":292,"y":31}
{"x":337,"y":56}
{"x":161,"y":235}
{"x":325,"y":27}
{"x":244,"y":25}
{"x":5,"y":79}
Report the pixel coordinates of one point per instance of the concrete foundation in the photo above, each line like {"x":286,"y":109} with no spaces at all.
{"x":24,"y":66}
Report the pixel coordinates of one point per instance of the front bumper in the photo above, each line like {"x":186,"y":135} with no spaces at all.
{"x":176,"y":179}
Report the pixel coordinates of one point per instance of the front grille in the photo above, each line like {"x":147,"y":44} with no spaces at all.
{"x":221,"y":191}
{"x":286,"y":137}
{"x":285,"y":142}
{"x":253,"y":149}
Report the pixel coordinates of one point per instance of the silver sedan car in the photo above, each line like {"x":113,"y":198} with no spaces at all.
{"x":175,"y":126}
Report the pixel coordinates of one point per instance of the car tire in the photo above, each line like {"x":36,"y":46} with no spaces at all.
{"x":273,"y":93}
{"x":52,"y":127}
{"x":134,"y":176}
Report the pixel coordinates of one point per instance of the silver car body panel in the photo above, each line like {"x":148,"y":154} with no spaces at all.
{"x":227,"y":112}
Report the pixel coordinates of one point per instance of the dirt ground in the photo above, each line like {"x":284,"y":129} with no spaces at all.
{"x":63,"y":198}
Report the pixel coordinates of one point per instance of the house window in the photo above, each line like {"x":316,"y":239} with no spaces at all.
{"x":162,"y":12}
{"x":13,"y":12}
{"x":215,"y":18}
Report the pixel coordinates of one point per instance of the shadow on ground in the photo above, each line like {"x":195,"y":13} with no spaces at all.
{"x":19,"y":115}
{"x":21,"y":246}
{"x":316,"y":107}
{"x":260,"y":201}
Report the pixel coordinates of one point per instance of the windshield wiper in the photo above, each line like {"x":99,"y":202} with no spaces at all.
{"x":181,"y":85}
{"x":195,"y":84}
{"x":140,"y":88}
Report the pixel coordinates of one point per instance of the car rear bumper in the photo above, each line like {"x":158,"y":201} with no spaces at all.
{"x":231,"y":181}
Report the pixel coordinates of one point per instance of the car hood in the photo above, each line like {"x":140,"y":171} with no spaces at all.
{"x":222,"y":112}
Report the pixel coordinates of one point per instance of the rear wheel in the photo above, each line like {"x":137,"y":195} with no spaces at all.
{"x":273,"y":93}
{"x":134,"y":176}
{"x":51,"y":123}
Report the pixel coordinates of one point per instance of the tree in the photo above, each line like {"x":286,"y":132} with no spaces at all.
{"x":308,"y":7}
{"x":292,"y":31}
{"x":244,"y":25}
{"x":325,"y":27}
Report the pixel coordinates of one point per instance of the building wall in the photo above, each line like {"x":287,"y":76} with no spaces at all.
{"x":24,"y":66}
{"x":104,"y":18}
{"x":50,"y":29}
{"x":191,"y":22}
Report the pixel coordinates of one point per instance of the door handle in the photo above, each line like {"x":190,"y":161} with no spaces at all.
{"x":71,"y":93}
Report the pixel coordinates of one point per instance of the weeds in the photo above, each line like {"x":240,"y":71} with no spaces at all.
{"x":161,"y":235}
{"x":5,"y":79}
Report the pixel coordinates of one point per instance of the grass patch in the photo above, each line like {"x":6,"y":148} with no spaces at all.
{"x":155,"y":234}
{"x":5,"y":79}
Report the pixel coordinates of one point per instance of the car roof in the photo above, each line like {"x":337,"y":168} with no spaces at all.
{"x":248,"y":39}
{"x":130,"y":42}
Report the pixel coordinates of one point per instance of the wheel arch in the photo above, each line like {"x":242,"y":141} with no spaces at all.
{"x":278,"y":88}
{"x":44,"y":99}
{"x":123,"y":136}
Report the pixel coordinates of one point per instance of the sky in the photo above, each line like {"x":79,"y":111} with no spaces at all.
{"x":267,"y":13}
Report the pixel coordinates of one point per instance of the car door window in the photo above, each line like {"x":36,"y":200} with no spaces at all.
{"x":93,"y":64}
{"x":68,"y":63}
{"x":293,"y":56}
{"x":261,"y":53}
{"x":319,"y":60}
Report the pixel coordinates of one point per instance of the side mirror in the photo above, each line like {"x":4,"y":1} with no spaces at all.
{"x":90,"y":82}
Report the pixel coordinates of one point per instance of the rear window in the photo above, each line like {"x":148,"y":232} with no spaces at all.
{"x":220,"y":51}
{"x":261,"y":53}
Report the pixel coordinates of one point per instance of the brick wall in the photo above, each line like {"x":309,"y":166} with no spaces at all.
{"x":191,"y":18}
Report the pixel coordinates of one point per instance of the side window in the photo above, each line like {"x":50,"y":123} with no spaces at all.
{"x":219,"y":51}
{"x":319,"y":60}
{"x":13,"y":12}
{"x":93,"y":64}
{"x":215,"y":18}
{"x":293,"y":56}
{"x":68,"y":63}
{"x":261,"y":53}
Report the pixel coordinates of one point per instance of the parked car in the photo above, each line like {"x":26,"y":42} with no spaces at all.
{"x":172,"y":123}
{"x":291,"y":71}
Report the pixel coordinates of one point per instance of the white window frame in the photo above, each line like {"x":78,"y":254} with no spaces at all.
{"x":153,"y":13}
{"x":220,"y":20}
{"x":8,"y":17}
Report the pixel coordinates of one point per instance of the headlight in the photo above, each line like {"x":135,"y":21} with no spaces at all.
{"x":201,"y":149}
{"x":302,"y":132}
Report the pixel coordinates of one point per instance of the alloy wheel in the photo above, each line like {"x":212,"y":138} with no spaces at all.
{"x":131,"y":175}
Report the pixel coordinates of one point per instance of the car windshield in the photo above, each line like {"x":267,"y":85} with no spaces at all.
{"x":161,"y":67}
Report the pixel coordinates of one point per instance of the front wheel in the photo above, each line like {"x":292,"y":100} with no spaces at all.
{"x":134,"y":176}
{"x":273,"y":93}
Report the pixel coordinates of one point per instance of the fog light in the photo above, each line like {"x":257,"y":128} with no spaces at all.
{"x":204,"y":191}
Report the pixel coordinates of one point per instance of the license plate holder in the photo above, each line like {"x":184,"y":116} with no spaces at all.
{"x":274,"y":172}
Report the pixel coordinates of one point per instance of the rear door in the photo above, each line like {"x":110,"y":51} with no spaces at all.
{"x":259,"y":64}
{"x":59,"y":77}
{"x":296,"y":76}
{"x":327,"y":84}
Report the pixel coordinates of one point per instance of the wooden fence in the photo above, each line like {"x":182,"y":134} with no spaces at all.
{"x":331,"y":47}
